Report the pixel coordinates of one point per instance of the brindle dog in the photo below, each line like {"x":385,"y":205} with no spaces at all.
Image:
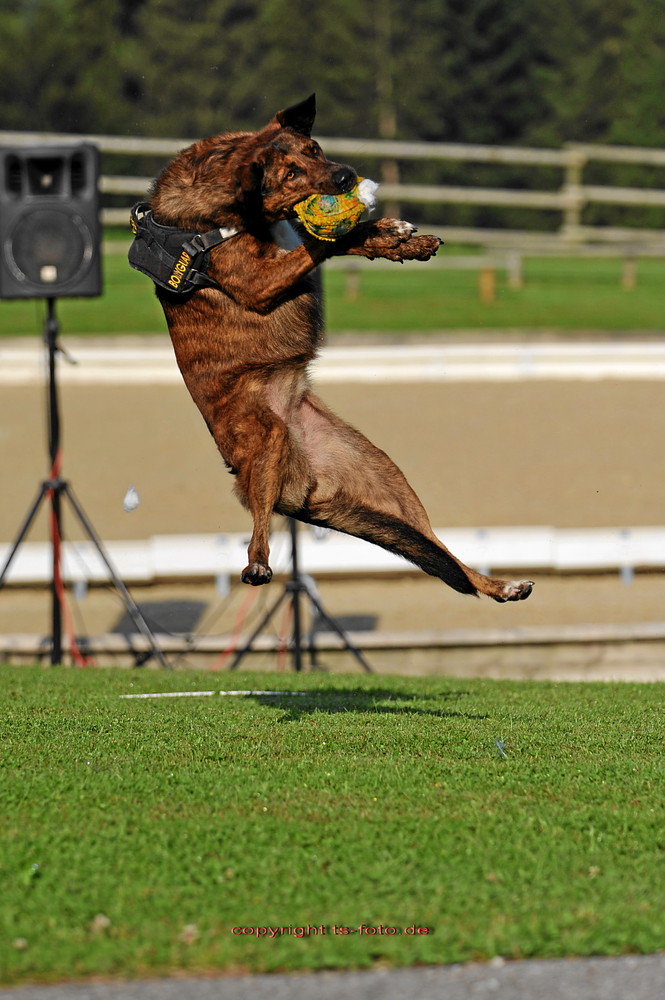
{"x":244,"y":351}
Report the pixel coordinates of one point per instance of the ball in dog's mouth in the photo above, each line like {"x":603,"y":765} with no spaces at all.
{"x":329,"y":216}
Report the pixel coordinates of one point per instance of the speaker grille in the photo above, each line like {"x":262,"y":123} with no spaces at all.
{"x":49,"y":221}
{"x":47,"y":246}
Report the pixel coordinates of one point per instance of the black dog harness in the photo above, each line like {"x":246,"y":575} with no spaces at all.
{"x":175,"y":259}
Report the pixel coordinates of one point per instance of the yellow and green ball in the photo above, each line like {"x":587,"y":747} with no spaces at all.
{"x":329,"y":216}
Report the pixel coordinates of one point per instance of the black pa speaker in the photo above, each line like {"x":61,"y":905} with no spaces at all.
{"x":49,"y":221}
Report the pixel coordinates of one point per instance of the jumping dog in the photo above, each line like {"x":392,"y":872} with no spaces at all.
{"x":244,"y":339}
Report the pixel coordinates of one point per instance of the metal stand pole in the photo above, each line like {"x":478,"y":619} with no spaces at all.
{"x":53,"y":489}
{"x":51,"y":331}
{"x":296,"y":591}
{"x":294,"y":588}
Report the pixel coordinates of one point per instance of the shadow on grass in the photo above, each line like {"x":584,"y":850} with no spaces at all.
{"x":378,"y":702}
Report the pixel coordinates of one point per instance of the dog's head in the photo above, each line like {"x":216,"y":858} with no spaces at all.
{"x":290,"y":166}
{"x":250,"y":178}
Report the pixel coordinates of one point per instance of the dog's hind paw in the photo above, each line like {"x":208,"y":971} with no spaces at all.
{"x":256,"y":574}
{"x":515,"y":590}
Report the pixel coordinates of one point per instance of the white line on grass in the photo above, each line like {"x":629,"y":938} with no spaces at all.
{"x":205,"y":694}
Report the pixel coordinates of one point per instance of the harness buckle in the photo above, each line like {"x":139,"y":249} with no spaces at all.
{"x":202,"y":242}
{"x":195,"y":245}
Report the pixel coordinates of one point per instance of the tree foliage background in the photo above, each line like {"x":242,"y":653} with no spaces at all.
{"x":523,"y":72}
{"x":509,"y":71}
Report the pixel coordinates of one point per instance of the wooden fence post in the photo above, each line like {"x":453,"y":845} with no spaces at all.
{"x":629,"y":273}
{"x":487,"y":284}
{"x":573,"y":193}
{"x":515,"y":270}
{"x":351,"y":283}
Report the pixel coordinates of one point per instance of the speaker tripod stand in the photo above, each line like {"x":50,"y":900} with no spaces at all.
{"x":297,"y":587}
{"x":55,"y":490}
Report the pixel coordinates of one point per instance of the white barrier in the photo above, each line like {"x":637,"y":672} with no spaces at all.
{"x":209,"y":557}
{"x":151,"y":362}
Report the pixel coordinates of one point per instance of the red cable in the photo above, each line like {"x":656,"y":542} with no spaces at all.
{"x":77,"y":656}
{"x":237,"y":629}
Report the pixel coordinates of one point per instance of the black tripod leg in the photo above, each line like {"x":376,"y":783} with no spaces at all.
{"x":259,"y":628}
{"x":340,"y":632}
{"x":296,"y":640}
{"x":23,"y":531}
{"x":129,"y":602}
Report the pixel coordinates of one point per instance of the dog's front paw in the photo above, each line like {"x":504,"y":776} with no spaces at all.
{"x":392,"y":232}
{"x":378,"y":237}
{"x":402,"y":230}
{"x":416,"y":248}
{"x":395,"y":239}
{"x":515,"y":590}
{"x":256,"y":574}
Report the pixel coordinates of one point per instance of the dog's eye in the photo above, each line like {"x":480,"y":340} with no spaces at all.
{"x":290,"y":174}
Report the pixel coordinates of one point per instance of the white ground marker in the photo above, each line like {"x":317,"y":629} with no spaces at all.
{"x":207,"y":694}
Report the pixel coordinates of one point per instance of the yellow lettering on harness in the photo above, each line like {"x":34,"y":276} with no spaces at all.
{"x":180,"y":269}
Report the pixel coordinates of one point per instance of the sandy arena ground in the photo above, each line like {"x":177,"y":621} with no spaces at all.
{"x":566,"y":454}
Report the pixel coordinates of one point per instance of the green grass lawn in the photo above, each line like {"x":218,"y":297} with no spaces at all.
{"x":128,"y":305}
{"x":137,"y":834}
{"x":558,"y":294}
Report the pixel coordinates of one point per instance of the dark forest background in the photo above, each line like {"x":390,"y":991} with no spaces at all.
{"x":512,"y":72}
{"x":528,"y":72}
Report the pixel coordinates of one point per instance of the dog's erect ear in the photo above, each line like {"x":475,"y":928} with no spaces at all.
{"x":299,"y":117}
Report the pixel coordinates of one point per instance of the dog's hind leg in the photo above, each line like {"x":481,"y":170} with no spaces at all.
{"x":360,"y":491}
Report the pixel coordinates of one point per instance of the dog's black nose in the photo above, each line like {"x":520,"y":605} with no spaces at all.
{"x":344,"y":178}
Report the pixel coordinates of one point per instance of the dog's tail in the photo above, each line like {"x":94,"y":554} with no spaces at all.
{"x":403,"y":540}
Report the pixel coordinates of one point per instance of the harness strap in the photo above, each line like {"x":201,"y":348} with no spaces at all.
{"x":202,"y":242}
{"x":176,"y":259}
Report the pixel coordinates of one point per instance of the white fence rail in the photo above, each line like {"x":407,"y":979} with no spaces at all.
{"x":569,"y":199}
{"x":153,"y":362}
{"x":188,"y":557}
